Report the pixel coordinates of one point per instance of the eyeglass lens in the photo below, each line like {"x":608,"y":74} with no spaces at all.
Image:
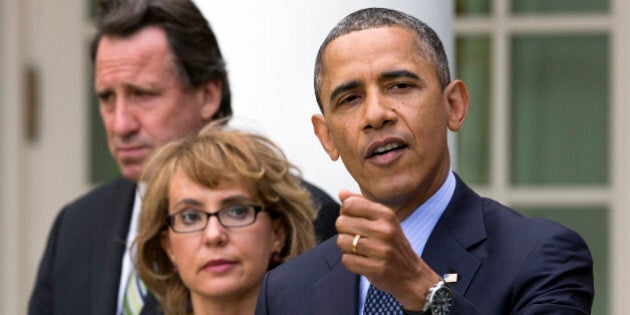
{"x":187,"y":221}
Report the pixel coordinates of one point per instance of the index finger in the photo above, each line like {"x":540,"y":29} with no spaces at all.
{"x":355,"y":205}
{"x":345,"y":194}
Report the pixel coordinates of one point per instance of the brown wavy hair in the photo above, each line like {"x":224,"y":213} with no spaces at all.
{"x":215,"y":155}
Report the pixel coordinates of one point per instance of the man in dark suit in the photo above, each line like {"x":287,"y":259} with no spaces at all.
{"x":159,"y":75}
{"x":416,"y":240}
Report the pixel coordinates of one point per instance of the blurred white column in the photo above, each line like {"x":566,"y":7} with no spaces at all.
{"x":11,"y":153}
{"x":620,"y":235}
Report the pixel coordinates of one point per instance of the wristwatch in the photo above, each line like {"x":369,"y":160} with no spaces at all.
{"x":437,"y":302}
{"x":439,"y":299}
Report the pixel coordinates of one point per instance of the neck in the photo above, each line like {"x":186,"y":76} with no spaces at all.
{"x":243,"y":305}
{"x":406,"y":206}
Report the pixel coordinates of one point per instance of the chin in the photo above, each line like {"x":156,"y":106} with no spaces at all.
{"x":131,"y":174}
{"x":389,"y":192}
{"x":222,"y":290}
{"x":131,"y":168}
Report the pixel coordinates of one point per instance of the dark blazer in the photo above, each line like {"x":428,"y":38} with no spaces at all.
{"x":80,"y":270}
{"x":506,"y":264}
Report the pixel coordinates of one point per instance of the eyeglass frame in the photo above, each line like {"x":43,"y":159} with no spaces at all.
{"x":170,"y":218}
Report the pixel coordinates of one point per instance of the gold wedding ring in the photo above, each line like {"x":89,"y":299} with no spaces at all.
{"x":355,"y":242}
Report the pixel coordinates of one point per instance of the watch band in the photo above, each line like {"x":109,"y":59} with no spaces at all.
{"x":438,"y":299}
{"x":408,"y":312}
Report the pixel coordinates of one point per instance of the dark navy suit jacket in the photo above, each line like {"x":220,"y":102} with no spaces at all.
{"x":506,"y":264}
{"x":80,"y":270}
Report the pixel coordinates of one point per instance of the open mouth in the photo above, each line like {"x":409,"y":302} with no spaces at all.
{"x":384,"y":149}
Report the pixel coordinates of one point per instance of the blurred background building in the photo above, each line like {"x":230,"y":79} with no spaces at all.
{"x":548,"y":130}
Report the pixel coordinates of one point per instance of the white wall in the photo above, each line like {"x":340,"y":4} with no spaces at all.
{"x":270,"y":49}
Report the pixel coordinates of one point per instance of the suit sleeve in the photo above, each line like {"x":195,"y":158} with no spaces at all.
{"x":557,"y":277}
{"x":328,"y":212}
{"x":41,"y":301}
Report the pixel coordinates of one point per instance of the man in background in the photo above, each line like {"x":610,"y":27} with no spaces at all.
{"x":159,"y":75}
{"x":416,"y":240}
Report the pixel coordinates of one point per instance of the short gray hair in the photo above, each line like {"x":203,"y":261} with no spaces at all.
{"x":429,"y":43}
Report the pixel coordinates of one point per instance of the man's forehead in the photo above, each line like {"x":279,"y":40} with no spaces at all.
{"x":381,"y":49}
{"x":356,"y":45}
{"x":148,"y":44}
{"x":143,"y":54}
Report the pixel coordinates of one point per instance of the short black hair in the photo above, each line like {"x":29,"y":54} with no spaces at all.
{"x":430,"y":45}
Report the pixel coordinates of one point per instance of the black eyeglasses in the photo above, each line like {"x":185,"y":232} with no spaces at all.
{"x":189,"y":221}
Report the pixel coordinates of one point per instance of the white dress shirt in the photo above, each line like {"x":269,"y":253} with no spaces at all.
{"x":127,"y":263}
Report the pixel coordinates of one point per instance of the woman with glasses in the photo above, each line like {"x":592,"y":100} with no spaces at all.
{"x":220,"y":209}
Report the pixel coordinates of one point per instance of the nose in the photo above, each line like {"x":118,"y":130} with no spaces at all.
{"x":378,"y":111}
{"x":125,"y":120}
{"x":214,"y":234}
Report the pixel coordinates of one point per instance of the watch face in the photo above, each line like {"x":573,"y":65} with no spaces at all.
{"x":441,"y":303}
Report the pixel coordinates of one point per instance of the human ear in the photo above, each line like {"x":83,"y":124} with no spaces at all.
{"x":279,"y":236}
{"x":210,"y":95}
{"x":166,"y":244}
{"x":323,"y":134}
{"x":457,"y":101}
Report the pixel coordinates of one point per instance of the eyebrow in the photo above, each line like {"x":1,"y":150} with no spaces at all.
{"x":147,"y":87}
{"x":224,"y":202}
{"x":235,"y":199}
{"x":188,"y":201}
{"x":399,"y":74}
{"x":343,"y":88}
{"x":384,"y":76}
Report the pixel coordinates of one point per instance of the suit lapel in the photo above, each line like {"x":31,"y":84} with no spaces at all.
{"x":453,"y":247}
{"x":460,"y":229}
{"x":109,"y":238}
{"x":338,"y":291}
